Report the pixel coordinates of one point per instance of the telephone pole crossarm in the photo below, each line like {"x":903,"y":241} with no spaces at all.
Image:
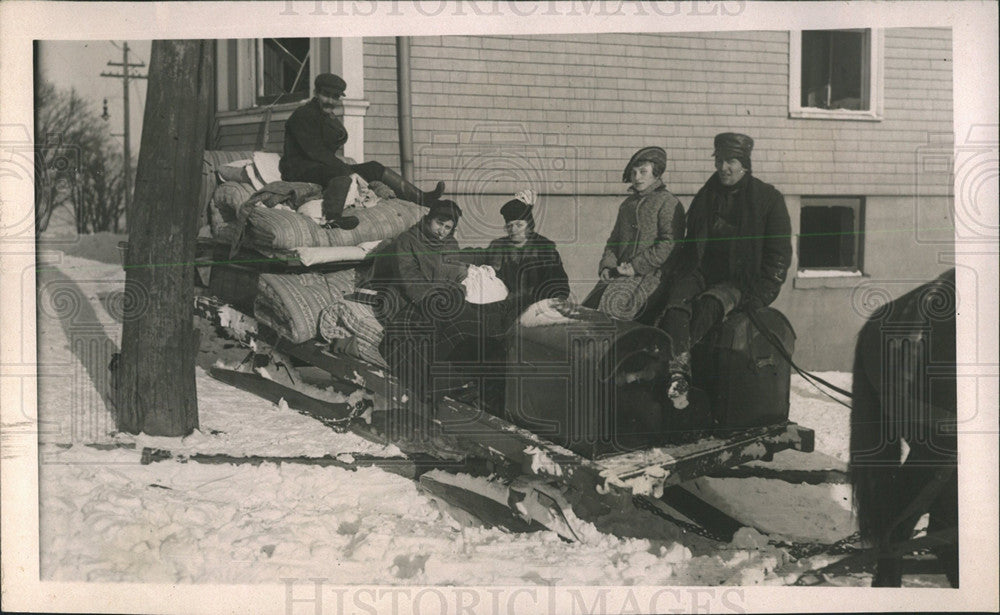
{"x":125,"y":75}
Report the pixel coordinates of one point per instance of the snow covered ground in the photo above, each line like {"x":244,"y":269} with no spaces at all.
{"x":106,"y":517}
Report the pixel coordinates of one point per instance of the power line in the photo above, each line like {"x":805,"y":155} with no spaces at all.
{"x":125,"y":75}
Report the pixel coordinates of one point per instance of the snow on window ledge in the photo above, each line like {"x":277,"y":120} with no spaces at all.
{"x":827,"y":273}
{"x":827,"y":278}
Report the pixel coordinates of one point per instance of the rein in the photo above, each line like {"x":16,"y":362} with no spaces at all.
{"x":809,"y":377}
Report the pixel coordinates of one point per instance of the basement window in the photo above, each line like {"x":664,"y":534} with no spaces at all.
{"x":835,"y":74}
{"x":831,"y":236}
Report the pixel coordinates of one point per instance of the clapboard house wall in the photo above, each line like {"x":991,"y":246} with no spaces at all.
{"x":563,"y":114}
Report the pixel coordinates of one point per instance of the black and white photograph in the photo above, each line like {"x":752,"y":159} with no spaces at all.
{"x":497,"y":307}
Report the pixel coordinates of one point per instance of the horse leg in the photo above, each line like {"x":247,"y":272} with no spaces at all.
{"x":907,"y":481}
{"x":948,"y":556}
{"x":889,"y":568}
{"x":888,"y":571}
{"x":944,"y":515}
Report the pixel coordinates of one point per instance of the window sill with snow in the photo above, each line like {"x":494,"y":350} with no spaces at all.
{"x":827,"y":278}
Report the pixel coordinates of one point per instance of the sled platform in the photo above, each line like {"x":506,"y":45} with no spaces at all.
{"x":548,"y":477}
{"x":475,"y":432}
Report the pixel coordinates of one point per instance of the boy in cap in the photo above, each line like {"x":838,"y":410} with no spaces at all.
{"x":649,"y":223}
{"x":314,"y":134}
{"x":736,"y":255}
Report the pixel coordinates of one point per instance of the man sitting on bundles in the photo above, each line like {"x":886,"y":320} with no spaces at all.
{"x":314,"y":135}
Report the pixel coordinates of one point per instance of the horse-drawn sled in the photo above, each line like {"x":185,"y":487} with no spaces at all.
{"x":571,"y":420}
{"x":558,"y":466}
{"x":579,"y":436}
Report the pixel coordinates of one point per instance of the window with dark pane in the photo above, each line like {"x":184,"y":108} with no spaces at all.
{"x":831,"y":233}
{"x":284,"y":70}
{"x":836,"y":70}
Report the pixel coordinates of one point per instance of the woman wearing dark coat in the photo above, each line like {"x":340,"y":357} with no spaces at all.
{"x":526,"y":261}
{"x":419,"y":262}
{"x":422,"y":302}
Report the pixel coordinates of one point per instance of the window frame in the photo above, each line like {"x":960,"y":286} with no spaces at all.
{"x":249,"y":80}
{"x":876,"y":41}
{"x":859,"y":259}
{"x":262,"y":100}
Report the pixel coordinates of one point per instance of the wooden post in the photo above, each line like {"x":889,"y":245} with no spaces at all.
{"x":156,"y":392}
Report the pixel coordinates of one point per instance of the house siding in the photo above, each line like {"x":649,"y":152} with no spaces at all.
{"x":598,"y":97}
{"x":563,"y":114}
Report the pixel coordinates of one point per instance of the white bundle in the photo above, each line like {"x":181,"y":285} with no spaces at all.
{"x":546,"y":312}
{"x":482,"y":285}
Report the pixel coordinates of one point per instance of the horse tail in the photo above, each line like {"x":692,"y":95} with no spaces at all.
{"x":874,"y":456}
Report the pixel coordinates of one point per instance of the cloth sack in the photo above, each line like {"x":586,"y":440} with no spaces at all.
{"x":482,"y":285}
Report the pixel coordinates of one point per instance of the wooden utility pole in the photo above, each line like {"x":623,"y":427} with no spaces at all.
{"x":156,"y":391}
{"x":125,"y":75}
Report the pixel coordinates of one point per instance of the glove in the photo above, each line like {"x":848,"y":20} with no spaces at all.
{"x":626,"y":270}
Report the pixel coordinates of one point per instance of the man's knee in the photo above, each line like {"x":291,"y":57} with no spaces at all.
{"x":682,"y":292}
{"x":370,"y":171}
{"x":315,"y":174}
{"x":727,"y":295}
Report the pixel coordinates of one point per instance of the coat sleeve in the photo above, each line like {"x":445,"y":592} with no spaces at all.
{"x":556,"y":285}
{"x":448,"y":267}
{"x":669,"y":228}
{"x":609,"y":260}
{"x":421,"y":270}
{"x":776,"y":255}
{"x":541,"y":276}
{"x":478,"y":256}
{"x":308,"y":134}
{"x":414,"y":276}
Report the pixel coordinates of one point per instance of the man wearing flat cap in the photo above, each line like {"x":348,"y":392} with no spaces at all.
{"x":314,"y":135}
{"x":737,"y":252}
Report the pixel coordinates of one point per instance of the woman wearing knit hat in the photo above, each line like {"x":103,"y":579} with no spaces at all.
{"x":526,"y":261}
{"x":643,"y":240}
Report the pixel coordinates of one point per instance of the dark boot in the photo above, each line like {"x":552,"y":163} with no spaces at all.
{"x":408,"y":192}
{"x":334,"y":196}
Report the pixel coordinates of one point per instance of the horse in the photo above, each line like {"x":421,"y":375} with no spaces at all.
{"x":903,"y":443}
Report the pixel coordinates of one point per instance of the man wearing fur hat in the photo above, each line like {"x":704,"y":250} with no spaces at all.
{"x":649,"y":223}
{"x":737,"y":252}
{"x":313,"y":136}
